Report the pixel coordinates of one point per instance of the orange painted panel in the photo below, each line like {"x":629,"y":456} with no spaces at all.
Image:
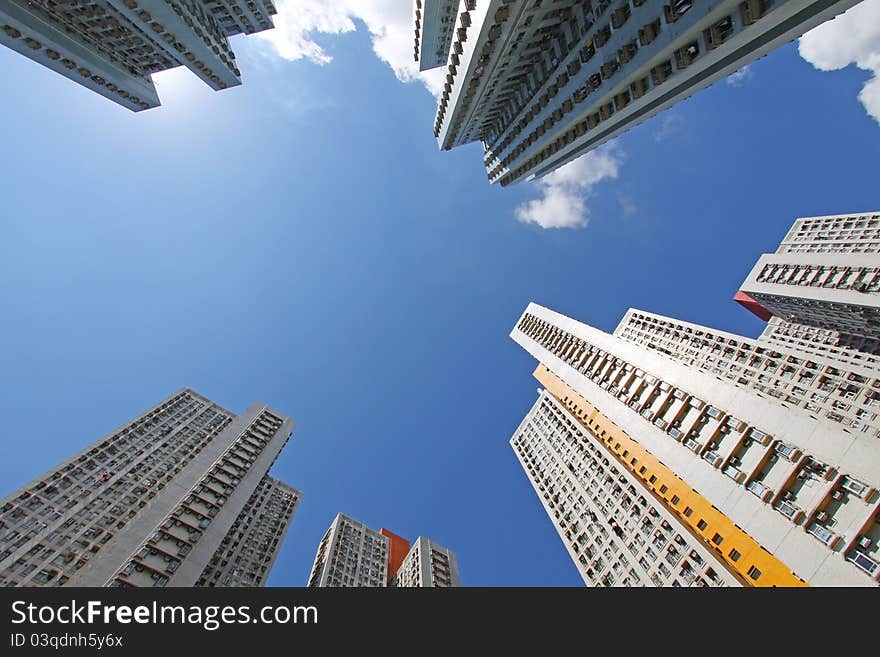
{"x":397,"y":550}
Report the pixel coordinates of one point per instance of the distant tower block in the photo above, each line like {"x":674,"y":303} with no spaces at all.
{"x":114,"y":46}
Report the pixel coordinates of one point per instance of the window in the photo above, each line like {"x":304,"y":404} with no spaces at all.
{"x":754,"y":573}
{"x":664,"y":488}
{"x":675,"y":499}
{"x":702,"y":524}
{"x":717,"y":539}
{"x":688,"y":511}
{"x":652,"y":479}
{"x":734,"y":555}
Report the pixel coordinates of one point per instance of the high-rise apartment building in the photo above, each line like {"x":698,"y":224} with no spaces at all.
{"x":427,"y":565}
{"x":434,"y":21}
{"x":540,"y":83}
{"x":113,"y":46}
{"x":846,"y":348}
{"x":824,"y":275}
{"x":352,"y":554}
{"x":845,"y":395}
{"x":250,"y":547}
{"x":168,"y":499}
{"x":657,"y":469}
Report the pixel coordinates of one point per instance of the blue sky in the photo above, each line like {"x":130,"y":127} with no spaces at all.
{"x":301,"y":241}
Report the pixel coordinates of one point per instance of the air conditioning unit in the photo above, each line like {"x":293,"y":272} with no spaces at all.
{"x":822,"y":516}
{"x":865,"y":542}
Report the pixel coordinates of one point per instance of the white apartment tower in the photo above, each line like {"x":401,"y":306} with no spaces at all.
{"x":825,"y":275}
{"x":350,"y":554}
{"x":844,"y":395}
{"x":662,"y":469}
{"x":540,"y":83}
{"x":427,"y":564}
{"x":164,"y":500}
{"x":249,"y":549}
{"x":435,"y":22}
{"x":113,"y":46}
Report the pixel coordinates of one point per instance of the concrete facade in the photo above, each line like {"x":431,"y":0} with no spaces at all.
{"x":540,"y":83}
{"x":113,"y":46}
{"x":844,"y":395}
{"x":427,"y":564}
{"x":803,"y":490}
{"x":434,"y":22}
{"x":820,"y":291}
{"x":834,"y":291}
{"x":848,"y":349}
{"x":350,"y":554}
{"x":250,"y":547}
{"x":615,"y":531}
{"x":146,"y":505}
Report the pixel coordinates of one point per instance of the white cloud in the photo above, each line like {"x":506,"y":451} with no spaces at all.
{"x":739,"y":78}
{"x":389,"y":23}
{"x":670,"y":123}
{"x":299,"y":23}
{"x":564,"y":192}
{"x":852,"y":38}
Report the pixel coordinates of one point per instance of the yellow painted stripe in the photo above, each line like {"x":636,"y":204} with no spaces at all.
{"x":744,"y":557}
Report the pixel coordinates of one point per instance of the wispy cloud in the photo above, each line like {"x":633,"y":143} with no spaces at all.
{"x":300,"y":24}
{"x":389,"y":22}
{"x":740,"y":77}
{"x":670,"y":123}
{"x":565,"y":192}
{"x":852,"y":38}
{"x":627,"y":205}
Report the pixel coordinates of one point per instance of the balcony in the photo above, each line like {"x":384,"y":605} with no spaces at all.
{"x":863,"y":562}
{"x":857,"y":488}
{"x":620,"y":16}
{"x":675,"y":10}
{"x":685,"y":56}
{"x":751,"y":10}
{"x":587,"y":53}
{"x":602,"y":36}
{"x":661,"y":72}
{"x":649,"y":32}
{"x":789,"y":510}
{"x":627,"y":52}
{"x":761,"y":491}
{"x":734,"y":473}
{"x":609,"y":68}
{"x":788,"y":452}
{"x":824,"y":534}
{"x":639,"y":88}
{"x":718,"y":33}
